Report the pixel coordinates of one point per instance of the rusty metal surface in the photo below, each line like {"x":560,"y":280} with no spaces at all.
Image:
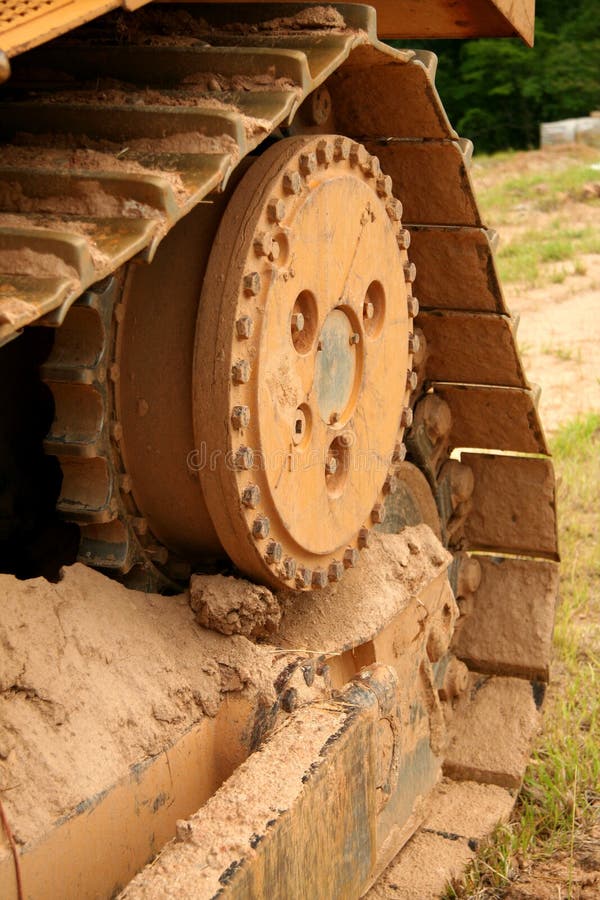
{"x":514,"y":505}
{"x":471,"y":348}
{"x":455,"y":269}
{"x":494,"y":418}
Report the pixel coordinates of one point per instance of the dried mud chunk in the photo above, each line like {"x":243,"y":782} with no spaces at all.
{"x":233,"y":606}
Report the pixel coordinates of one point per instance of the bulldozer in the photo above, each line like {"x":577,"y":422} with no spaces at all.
{"x":278,"y":548}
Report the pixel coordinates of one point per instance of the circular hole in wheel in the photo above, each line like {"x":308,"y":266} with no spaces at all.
{"x":304,"y":322}
{"x":374,"y":309}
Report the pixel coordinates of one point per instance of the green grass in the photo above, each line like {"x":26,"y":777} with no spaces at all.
{"x":523,"y":259}
{"x":560,"y":798}
{"x":543,"y":191}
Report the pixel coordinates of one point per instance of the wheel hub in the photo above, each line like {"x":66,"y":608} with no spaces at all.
{"x":301,"y":360}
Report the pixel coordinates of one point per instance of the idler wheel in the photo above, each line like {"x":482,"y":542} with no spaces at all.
{"x":301,"y":372}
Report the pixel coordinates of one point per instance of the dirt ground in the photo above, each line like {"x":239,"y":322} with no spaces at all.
{"x":559,"y":329}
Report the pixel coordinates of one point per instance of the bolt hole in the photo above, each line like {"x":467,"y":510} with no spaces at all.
{"x":301,"y":427}
{"x":337,"y":465}
{"x":374,"y":309}
{"x":304,"y":321}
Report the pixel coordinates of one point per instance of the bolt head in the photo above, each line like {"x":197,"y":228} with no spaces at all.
{"x":319,"y":579}
{"x":355,"y":338}
{"x":240,"y":371}
{"x":384,"y":186}
{"x":364,"y":538}
{"x":414,"y":343}
{"x":240,"y":417}
{"x":335,"y":571}
{"x":358,"y":154}
{"x":368,"y":309}
{"x":413,"y":307}
{"x":297,"y":323}
{"x":374,"y":168}
{"x":399,"y":453}
{"x":406,"y":419}
{"x":276,"y":210}
{"x":289,"y":700}
{"x":292,"y":183}
{"x":114,"y":372}
{"x":289,"y":567}
{"x":303,"y":577}
{"x":410,"y":272}
{"x":263,"y":244}
{"x":341,"y":148}
{"x":325,"y":153}
{"x":261,"y":527}
{"x":412,"y":379}
{"x":351,"y":556}
{"x":116,"y":431}
{"x":252,"y":284}
{"x":331,"y":465}
{"x":307,"y":163}
{"x":273,"y":552}
{"x":244,"y":327}
{"x":394,"y":210}
{"x":243,"y":458}
{"x":403,"y":239}
{"x":251,"y":496}
{"x":378,"y":513}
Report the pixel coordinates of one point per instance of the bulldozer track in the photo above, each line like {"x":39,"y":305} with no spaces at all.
{"x":96,"y":175}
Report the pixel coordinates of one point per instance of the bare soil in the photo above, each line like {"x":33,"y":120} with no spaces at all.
{"x":559,"y":330}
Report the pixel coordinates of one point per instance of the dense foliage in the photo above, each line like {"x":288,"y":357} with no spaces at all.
{"x":497,"y":91}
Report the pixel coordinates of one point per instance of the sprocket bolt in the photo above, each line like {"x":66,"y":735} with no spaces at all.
{"x":261,"y":527}
{"x":351,"y":556}
{"x":297,"y":323}
{"x":414,"y":343}
{"x":273,"y":552}
{"x":410,"y":272}
{"x":406,"y":418}
{"x":292,"y":183}
{"x":324,"y":153}
{"x":413,"y":307}
{"x":244,"y":327}
{"x":307,"y":163}
{"x":335,"y":571}
{"x":276,"y":210}
{"x":240,"y":417}
{"x":319,"y":579}
{"x":244,"y":458}
{"x":364,"y":538}
{"x":403,"y":239}
{"x":399,"y":454}
{"x":378,"y":513}
{"x":240,"y":371}
{"x":289,"y":567}
{"x":331,"y":465}
{"x":252,"y":283}
{"x":251,"y":496}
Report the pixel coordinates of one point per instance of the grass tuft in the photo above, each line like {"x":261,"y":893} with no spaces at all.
{"x":558,"y":810}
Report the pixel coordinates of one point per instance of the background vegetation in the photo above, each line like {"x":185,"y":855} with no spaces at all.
{"x":498,"y":91}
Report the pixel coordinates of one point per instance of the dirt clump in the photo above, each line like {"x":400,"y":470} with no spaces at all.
{"x":232,"y":606}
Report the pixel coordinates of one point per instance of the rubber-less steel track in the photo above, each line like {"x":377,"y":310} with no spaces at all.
{"x":95,"y":175}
